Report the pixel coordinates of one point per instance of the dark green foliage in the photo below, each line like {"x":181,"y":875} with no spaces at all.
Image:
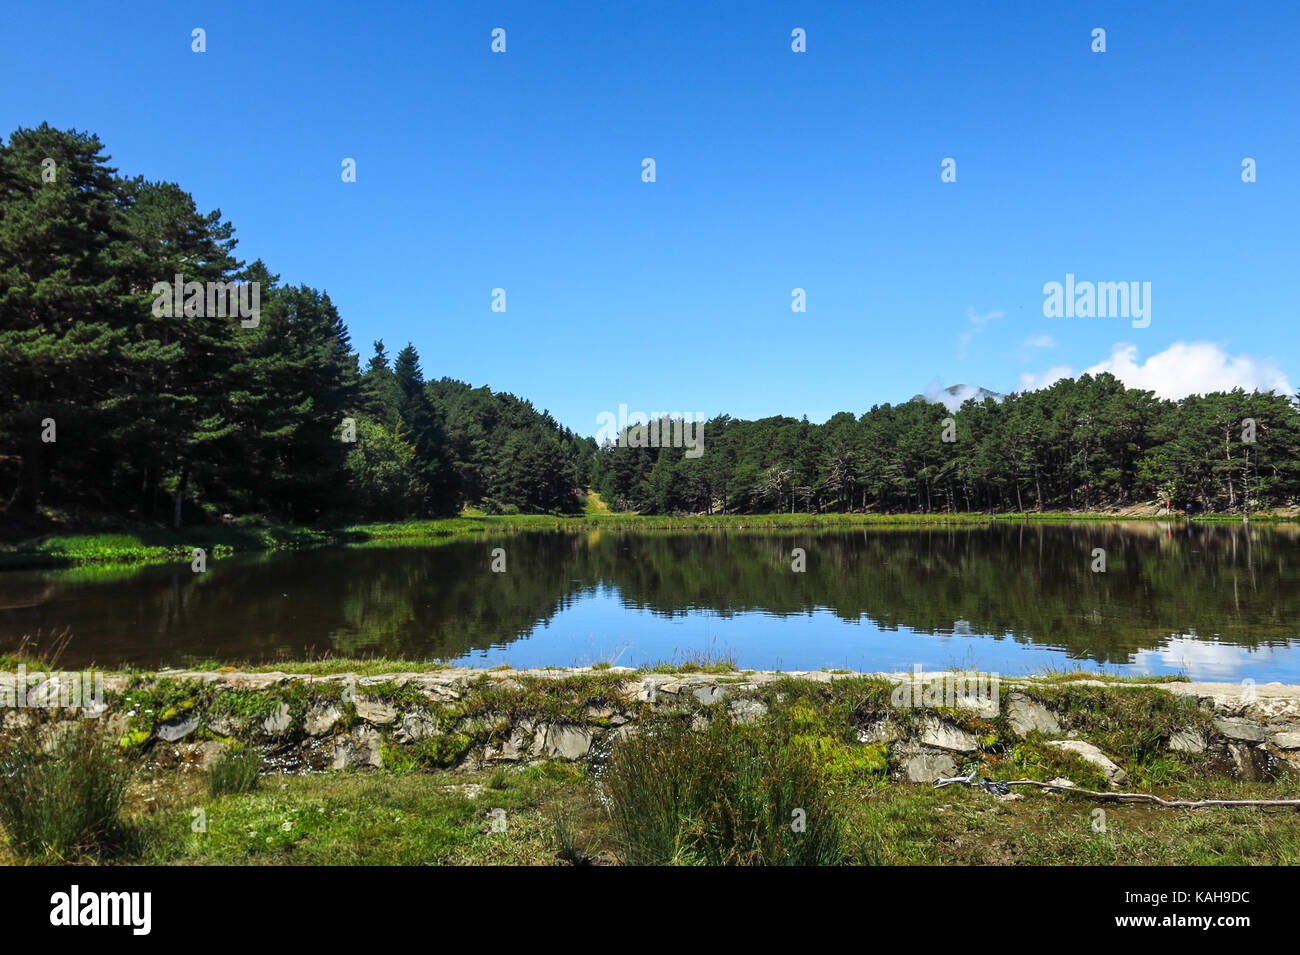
{"x":722,"y":795}
{"x":505,"y":453}
{"x":185,"y":417}
{"x":61,"y":792}
{"x":1082,"y":444}
{"x":381,"y":472}
{"x":442,"y":751}
{"x":63,"y":323}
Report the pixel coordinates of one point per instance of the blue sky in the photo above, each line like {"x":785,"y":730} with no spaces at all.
{"x":775,"y":170}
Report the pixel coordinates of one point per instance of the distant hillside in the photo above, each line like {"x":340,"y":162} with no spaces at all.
{"x":954,"y":396}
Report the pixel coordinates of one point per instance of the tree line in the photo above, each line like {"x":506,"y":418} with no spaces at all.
{"x":110,"y":405}
{"x":1082,"y":444}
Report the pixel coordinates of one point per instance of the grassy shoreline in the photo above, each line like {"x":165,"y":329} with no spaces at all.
{"x":454,"y":793}
{"x":141,"y":545}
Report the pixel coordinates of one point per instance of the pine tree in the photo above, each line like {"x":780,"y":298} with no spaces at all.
{"x":422,"y":426}
{"x":61,"y":318}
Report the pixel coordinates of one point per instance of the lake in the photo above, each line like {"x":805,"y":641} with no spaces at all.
{"x":1215,"y":602}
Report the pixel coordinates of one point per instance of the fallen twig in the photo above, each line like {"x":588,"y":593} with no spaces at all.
{"x":999,"y":787}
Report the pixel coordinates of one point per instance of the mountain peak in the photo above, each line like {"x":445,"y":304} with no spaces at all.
{"x":954,"y":396}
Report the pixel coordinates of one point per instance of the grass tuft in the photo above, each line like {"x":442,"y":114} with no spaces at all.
{"x":235,"y":771}
{"x":61,"y":793}
{"x":722,"y":795}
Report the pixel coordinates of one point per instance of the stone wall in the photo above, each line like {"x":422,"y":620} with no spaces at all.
{"x":472,"y":718}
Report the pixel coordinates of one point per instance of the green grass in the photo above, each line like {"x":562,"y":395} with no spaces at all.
{"x":381,"y":818}
{"x":685,"y":788}
{"x":235,"y":771}
{"x":711,"y":662}
{"x":327,"y":666}
{"x":721,"y":795}
{"x":1054,"y":675}
{"x":918,"y":825}
{"x":61,"y":798}
{"x":553,"y":814}
{"x":158,"y":544}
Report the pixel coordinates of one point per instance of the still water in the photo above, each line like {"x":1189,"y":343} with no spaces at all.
{"x":1212,"y":602}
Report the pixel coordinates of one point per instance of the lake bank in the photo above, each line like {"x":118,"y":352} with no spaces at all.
{"x":141,"y":545}
{"x":1212,"y":601}
{"x":455,"y":765}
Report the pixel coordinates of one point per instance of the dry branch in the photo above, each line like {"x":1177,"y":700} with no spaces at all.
{"x":989,"y":786}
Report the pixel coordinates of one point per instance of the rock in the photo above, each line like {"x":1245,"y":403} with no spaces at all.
{"x":985,"y":707}
{"x":566,"y":742}
{"x":1187,"y":741}
{"x":492,"y":723}
{"x":375,"y":713}
{"x":222,"y":726}
{"x":710,"y":694}
{"x":1247,"y":731}
{"x":1272,"y":710}
{"x":441,"y":692}
{"x":1287,"y":740}
{"x":1025,"y":715}
{"x":322,"y":718}
{"x":1287,"y":760}
{"x":358,"y":748}
{"x":278,"y":722}
{"x":177,"y":729}
{"x":600,"y":712}
{"x":747,"y":711}
{"x":1243,"y":757}
{"x":516,"y":746}
{"x":255,"y":681}
{"x":201,"y":755}
{"x":943,"y":735}
{"x":647,"y":691}
{"x":924,"y":766}
{"x":1062,"y":783}
{"x":881,"y":731}
{"x":1089,"y":753}
{"x":415,"y":726}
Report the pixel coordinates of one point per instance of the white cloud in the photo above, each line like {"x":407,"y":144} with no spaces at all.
{"x":936,"y":393}
{"x":1203,"y":659}
{"x":1182,"y":369}
{"x":1032,"y":381}
{"x":1040,"y":341}
{"x":978,"y":321}
{"x":981,"y":320}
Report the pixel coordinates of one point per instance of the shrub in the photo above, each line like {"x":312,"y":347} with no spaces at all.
{"x":566,"y":836}
{"x":235,"y":771}
{"x":61,"y":792}
{"x":442,"y":751}
{"x":723,"y":795}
